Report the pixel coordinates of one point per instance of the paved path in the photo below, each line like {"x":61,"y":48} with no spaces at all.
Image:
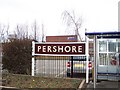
{"x":105,"y":84}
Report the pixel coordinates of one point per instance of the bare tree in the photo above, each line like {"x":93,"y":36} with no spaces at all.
{"x":3,"y":32}
{"x":38,"y":32}
{"x":70,"y":20}
{"x":43,"y":33}
{"x":35,"y":30}
{"x":20,"y":46}
{"x":21,"y":32}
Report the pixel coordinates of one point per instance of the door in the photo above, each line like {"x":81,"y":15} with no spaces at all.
{"x":108,"y":60}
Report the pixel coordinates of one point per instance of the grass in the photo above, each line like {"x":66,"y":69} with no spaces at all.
{"x":26,"y":81}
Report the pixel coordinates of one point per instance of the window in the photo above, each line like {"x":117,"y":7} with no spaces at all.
{"x":118,"y":47}
{"x":102,"y":46}
{"x":112,"y":46}
{"x":103,"y":59}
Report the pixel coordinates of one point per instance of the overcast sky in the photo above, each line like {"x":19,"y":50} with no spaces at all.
{"x":97,"y":15}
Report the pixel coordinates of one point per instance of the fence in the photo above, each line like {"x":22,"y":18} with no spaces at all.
{"x":57,"y":66}
{"x":51,"y":66}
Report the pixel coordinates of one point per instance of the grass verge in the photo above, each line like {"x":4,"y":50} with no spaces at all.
{"x":26,"y":81}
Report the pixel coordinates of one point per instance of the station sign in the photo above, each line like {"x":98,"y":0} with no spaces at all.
{"x":59,"y":48}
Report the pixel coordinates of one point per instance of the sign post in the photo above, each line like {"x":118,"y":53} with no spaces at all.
{"x":59,"y":49}
{"x":33,"y":58}
{"x":95,"y":60}
{"x":71,"y":66}
{"x":87,"y":60}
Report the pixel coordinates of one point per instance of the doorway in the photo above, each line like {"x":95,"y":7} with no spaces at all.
{"x":108,"y":59}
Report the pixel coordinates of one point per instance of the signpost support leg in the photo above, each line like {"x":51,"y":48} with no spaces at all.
{"x":33,"y":66}
{"x":95,"y":57}
{"x":33,"y":58}
{"x":71,"y":66}
{"x":87,"y":60}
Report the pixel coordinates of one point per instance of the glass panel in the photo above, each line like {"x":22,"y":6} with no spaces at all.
{"x":118,"y":47}
{"x":112,"y":46}
{"x":111,"y":57}
{"x":102,"y":46}
{"x":103,"y":59}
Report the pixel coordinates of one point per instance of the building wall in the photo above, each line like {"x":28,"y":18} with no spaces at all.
{"x":63,"y":38}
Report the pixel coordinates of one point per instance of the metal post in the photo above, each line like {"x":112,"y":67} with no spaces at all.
{"x":33,"y":58}
{"x":71,"y":66}
{"x":33,"y":66}
{"x":95,"y":53}
{"x":87,"y":60}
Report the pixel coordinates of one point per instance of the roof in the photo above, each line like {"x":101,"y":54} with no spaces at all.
{"x":103,"y":34}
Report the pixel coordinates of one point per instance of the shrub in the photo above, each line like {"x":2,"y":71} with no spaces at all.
{"x":17,"y":56}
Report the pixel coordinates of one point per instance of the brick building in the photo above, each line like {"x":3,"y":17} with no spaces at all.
{"x":63,"y":38}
